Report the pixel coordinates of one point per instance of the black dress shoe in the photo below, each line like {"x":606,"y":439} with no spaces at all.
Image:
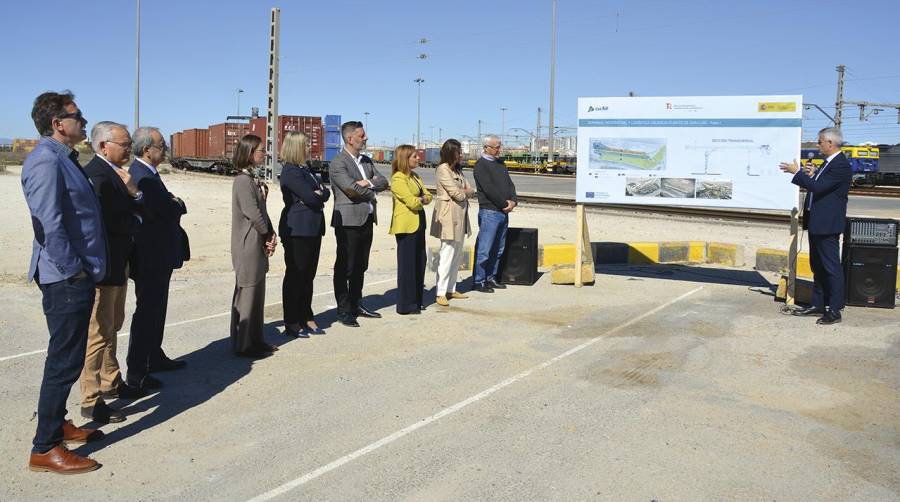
{"x":363,"y":311}
{"x":102,"y":413}
{"x":151,"y":383}
{"x":482,"y":288}
{"x":829,"y":318}
{"x":411,"y":312}
{"x":167,"y":365}
{"x":494,"y":284}
{"x":124,"y":391}
{"x":351,"y":323}
{"x":809,"y":311}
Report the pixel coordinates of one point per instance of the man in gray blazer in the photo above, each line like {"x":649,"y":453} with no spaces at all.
{"x":355,"y":183}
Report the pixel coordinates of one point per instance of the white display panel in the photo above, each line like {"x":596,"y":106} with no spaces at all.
{"x":713,"y":151}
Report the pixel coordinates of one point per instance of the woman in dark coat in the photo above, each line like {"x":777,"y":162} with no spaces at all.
{"x":302,"y":226}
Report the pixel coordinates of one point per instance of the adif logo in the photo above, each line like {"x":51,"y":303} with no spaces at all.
{"x":598,"y":108}
{"x":668,"y":106}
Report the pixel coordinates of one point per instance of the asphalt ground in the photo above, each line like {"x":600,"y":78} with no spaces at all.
{"x":553,"y":186}
{"x":657,"y":383}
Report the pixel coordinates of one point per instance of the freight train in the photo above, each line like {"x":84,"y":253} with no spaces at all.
{"x":212,"y":148}
{"x":871,"y":165}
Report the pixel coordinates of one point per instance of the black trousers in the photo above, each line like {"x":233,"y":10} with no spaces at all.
{"x":67,"y":307}
{"x":411,"y":268}
{"x":350,"y":265}
{"x":828,"y":275}
{"x":151,"y":290}
{"x":301,"y":259}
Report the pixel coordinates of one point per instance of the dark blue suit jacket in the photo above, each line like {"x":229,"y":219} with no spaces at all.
{"x":119,"y":209}
{"x":828,"y":213}
{"x":65,"y":215}
{"x":303,"y":213}
{"x":160,"y":243}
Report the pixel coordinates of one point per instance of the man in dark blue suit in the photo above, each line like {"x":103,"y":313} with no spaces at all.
{"x":160,"y":247}
{"x":68,"y":258}
{"x":824,"y":219}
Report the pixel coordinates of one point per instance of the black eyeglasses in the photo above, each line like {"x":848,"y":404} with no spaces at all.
{"x":77,"y":116}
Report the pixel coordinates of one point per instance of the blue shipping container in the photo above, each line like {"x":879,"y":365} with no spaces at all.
{"x":331,"y":153}
{"x":332,"y":139}
{"x":333,"y":120}
{"x":433,"y":156}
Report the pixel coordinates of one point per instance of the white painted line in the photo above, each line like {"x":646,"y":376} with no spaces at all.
{"x":179,"y":323}
{"x":290,"y":485}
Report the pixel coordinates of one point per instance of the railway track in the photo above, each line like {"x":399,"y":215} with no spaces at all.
{"x":876,"y":191}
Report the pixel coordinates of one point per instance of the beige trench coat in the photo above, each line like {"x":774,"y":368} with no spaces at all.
{"x":450,"y":220}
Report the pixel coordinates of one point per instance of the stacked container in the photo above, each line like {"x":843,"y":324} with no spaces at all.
{"x":312,"y":126}
{"x":224,"y":137}
{"x":175,"y":144}
{"x":194,"y":143}
{"x":332,"y":136}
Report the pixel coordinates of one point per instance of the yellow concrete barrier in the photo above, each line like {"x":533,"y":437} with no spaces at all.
{"x":643,"y":252}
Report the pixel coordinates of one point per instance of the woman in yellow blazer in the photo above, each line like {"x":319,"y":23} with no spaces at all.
{"x":408,"y":226}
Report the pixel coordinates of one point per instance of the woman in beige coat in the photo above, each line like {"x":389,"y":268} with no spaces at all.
{"x":252,"y":242}
{"x":450,"y":221}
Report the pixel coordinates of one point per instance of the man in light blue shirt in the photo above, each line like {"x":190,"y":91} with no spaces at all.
{"x":68,"y":258}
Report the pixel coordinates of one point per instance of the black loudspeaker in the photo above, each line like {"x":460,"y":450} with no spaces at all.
{"x":519,"y":262}
{"x":871,"y":276}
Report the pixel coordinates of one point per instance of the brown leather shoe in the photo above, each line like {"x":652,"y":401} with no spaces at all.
{"x":442,"y":301}
{"x":456,"y":295}
{"x":61,"y":461}
{"x":79,"y":435}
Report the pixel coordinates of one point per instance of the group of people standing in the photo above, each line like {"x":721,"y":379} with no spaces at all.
{"x":95,"y":226}
{"x":356,"y":182}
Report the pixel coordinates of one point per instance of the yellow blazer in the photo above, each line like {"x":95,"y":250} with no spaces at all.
{"x":406,"y":190}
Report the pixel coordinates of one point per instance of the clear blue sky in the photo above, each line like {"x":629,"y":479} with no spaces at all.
{"x":353,"y":56}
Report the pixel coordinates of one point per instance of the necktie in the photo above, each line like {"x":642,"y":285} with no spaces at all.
{"x":809,"y":195}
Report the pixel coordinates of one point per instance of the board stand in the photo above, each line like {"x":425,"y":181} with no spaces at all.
{"x":790,"y":296}
{"x":583,"y":253}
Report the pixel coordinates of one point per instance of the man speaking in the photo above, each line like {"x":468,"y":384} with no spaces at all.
{"x":824,"y":219}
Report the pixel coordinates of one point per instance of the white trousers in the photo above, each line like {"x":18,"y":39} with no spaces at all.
{"x":448,"y":266}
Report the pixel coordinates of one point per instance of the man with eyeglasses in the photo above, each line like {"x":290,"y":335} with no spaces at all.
{"x":68,"y":258}
{"x":160,"y":247}
{"x":824,"y":218}
{"x":496,"y":199}
{"x":119,"y":202}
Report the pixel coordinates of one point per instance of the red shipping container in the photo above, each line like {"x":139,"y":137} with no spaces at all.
{"x":224,"y":137}
{"x":175,"y":144}
{"x":194,"y":143}
{"x":312,"y":126}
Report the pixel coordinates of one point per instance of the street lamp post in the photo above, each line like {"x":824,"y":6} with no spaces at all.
{"x":239,"y":92}
{"x":502,"y":122}
{"x":552,"y":83}
{"x":366,"y":121}
{"x":137,"y":67}
{"x":419,"y":81}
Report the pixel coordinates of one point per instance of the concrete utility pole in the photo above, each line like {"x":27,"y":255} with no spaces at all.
{"x":537,"y":135}
{"x":419,"y":81}
{"x":272,"y":114}
{"x":479,"y":131}
{"x":137,"y":68}
{"x":839,"y":102}
{"x":552,"y":83}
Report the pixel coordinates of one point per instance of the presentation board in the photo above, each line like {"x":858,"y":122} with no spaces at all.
{"x":713,"y":151}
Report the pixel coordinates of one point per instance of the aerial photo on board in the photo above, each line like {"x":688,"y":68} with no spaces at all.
{"x":645,"y":154}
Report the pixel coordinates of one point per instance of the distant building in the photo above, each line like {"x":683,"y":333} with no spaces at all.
{"x":24,"y":145}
